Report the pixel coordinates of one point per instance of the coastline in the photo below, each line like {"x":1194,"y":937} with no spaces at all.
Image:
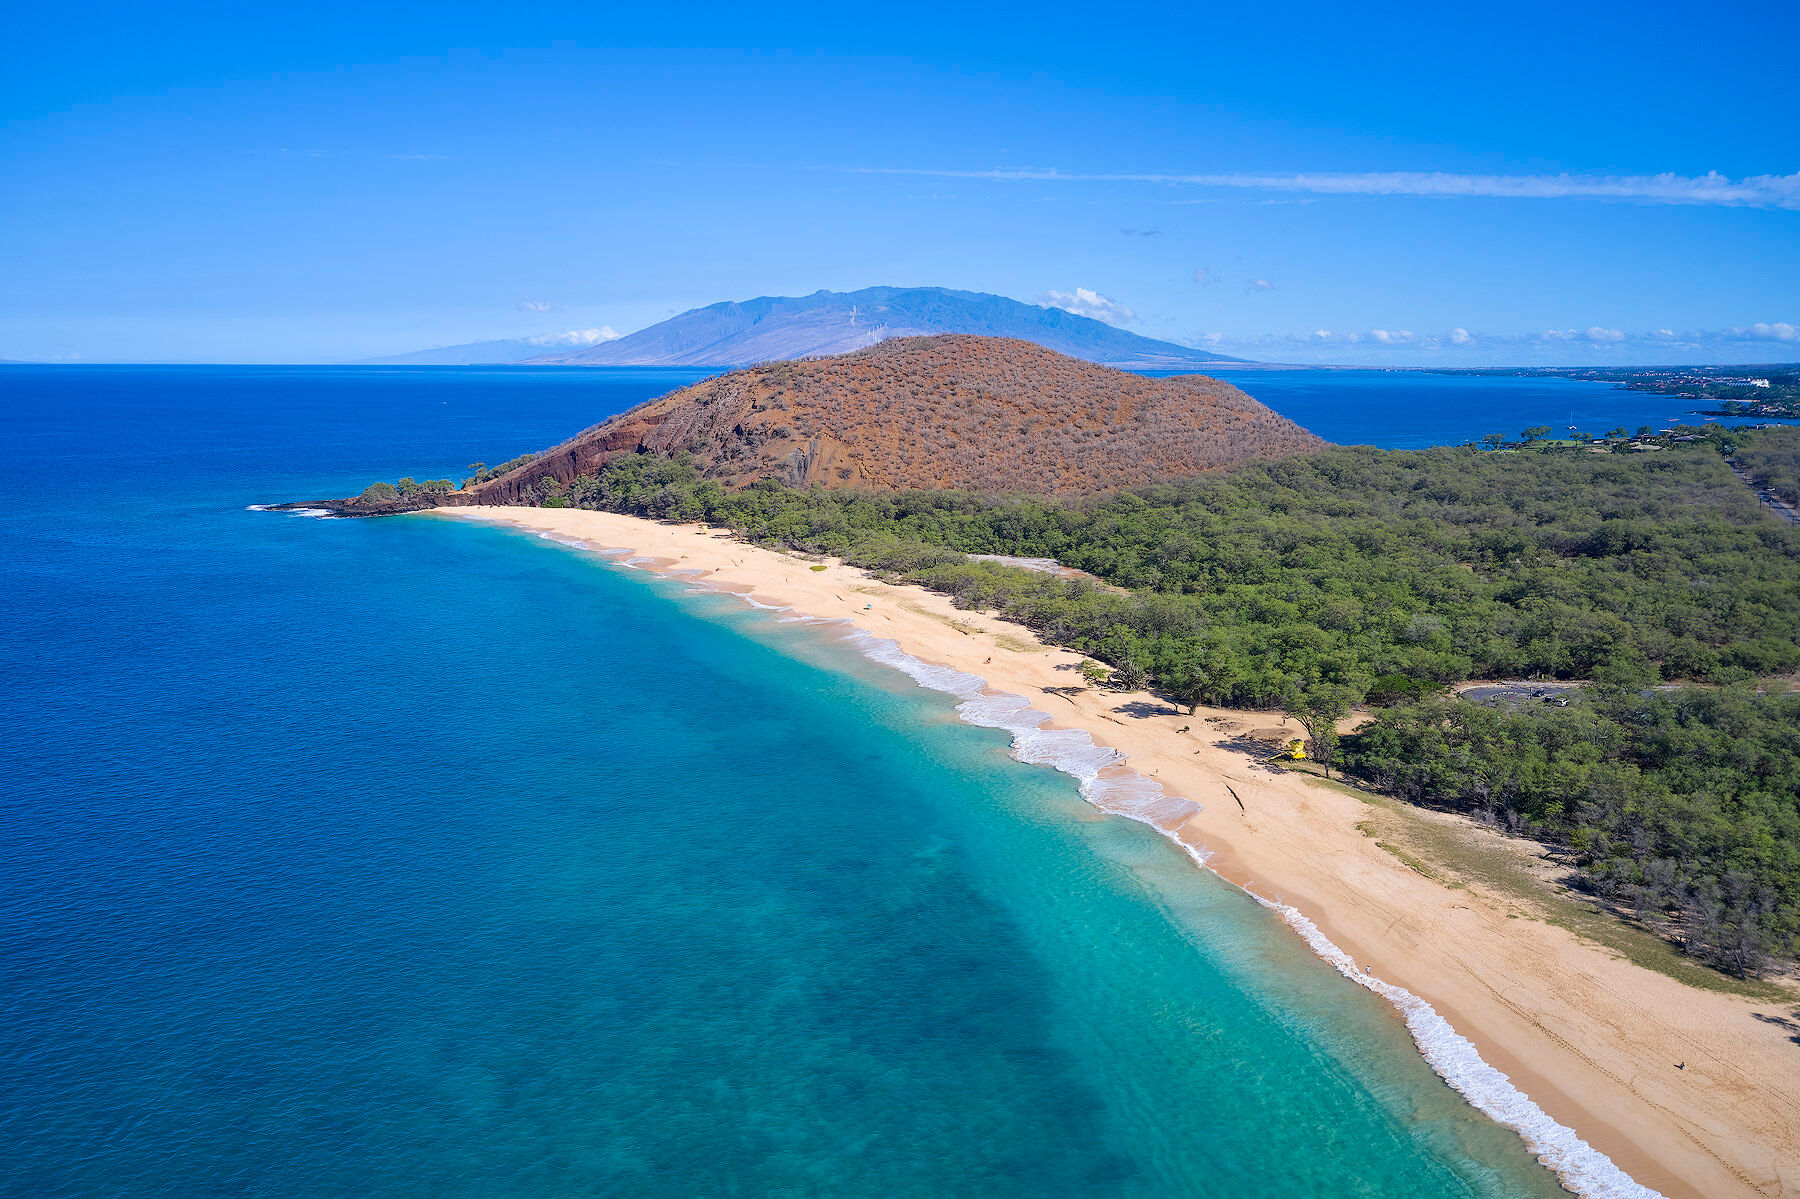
{"x":1591,"y":1038}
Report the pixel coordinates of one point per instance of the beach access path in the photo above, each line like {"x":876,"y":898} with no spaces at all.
{"x":1693,"y":1092}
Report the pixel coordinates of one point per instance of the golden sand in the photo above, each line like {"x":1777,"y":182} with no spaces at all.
{"x":1594,"y":1039}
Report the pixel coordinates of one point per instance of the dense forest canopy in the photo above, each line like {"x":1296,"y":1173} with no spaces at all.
{"x":1682,"y":806}
{"x":1434,"y":566}
{"x":1317,"y":581}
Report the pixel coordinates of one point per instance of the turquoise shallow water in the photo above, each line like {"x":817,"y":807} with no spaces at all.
{"x":413,"y":857}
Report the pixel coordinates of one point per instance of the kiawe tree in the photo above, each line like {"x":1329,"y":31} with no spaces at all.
{"x":1317,"y":705}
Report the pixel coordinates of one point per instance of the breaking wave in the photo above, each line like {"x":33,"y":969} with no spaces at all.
{"x":1107,"y":782}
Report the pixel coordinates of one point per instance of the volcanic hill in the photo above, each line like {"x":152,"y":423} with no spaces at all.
{"x":956,"y":411}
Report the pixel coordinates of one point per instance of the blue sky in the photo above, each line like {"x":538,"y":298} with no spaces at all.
{"x":1413,"y":186}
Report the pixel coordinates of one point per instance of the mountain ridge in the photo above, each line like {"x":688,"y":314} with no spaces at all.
{"x":734,"y":333}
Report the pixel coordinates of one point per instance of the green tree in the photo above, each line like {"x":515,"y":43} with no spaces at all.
{"x":1317,"y":707}
{"x":1536,"y":433}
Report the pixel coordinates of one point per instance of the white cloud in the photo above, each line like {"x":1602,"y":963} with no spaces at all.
{"x":1711,"y":189}
{"x":1397,"y":337}
{"x":1559,"y":335}
{"x":1203,"y":275}
{"x":1779,"y":331}
{"x":1460,"y":337}
{"x":574,"y":337}
{"x":1085,"y":301}
{"x":536,"y":306}
{"x":1596,"y":333}
{"x":1260,"y":285}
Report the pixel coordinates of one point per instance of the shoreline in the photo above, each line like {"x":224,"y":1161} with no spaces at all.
{"x":1590,"y":1038}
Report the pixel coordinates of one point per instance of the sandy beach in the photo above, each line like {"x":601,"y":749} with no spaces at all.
{"x":1690,"y":1091}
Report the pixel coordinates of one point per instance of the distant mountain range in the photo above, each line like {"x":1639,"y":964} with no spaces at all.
{"x":774,"y":328}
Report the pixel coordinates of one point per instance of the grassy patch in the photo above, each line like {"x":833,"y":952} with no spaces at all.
{"x":1454,"y":856}
{"x":961,"y":626}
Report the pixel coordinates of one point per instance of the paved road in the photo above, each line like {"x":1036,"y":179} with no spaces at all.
{"x":1776,"y":504}
{"x":1513,"y":694}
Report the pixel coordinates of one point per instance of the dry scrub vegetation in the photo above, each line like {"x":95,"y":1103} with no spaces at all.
{"x":977,"y":413}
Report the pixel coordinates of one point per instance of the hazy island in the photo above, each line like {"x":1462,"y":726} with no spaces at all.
{"x":1234,"y":571}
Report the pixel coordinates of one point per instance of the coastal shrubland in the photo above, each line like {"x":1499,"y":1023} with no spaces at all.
{"x":1680,"y":808}
{"x":407,"y":491}
{"x":1310,"y":583}
{"x":1341,"y":567}
{"x":1772,"y":459}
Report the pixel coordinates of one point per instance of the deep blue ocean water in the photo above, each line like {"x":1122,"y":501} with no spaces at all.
{"x":416,"y":857}
{"x":1409,"y":410}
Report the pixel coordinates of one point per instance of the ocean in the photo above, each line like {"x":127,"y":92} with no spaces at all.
{"x":419,"y":857}
{"x":1410,"y":410}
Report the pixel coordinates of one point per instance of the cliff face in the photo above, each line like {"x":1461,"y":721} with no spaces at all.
{"x":956,"y":411}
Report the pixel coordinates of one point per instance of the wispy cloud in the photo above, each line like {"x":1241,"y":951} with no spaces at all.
{"x":574,"y":337}
{"x":1593,"y":333}
{"x":1141,"y":232}
{"x":1593,"y":339}
{"x":536,"y":306}
{"x":1779,"y":331}
{"x":1256,"y":285}
{"x":1085,"y":301}
{"x":1711,"y":189}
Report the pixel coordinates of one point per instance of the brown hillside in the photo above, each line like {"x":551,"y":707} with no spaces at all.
{"x":980,"y":413}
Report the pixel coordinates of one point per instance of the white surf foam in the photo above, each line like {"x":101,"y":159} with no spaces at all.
{"x":1112,"y":786}
{"x":1101,"y":772}
{"x":321,"y":513}
{"x":1583,"y":1169}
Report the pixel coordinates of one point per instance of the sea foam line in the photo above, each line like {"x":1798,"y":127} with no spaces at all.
{"x":321,"y":513}
{"x":1582,"y":1168}
{"x":1107,"y":783}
